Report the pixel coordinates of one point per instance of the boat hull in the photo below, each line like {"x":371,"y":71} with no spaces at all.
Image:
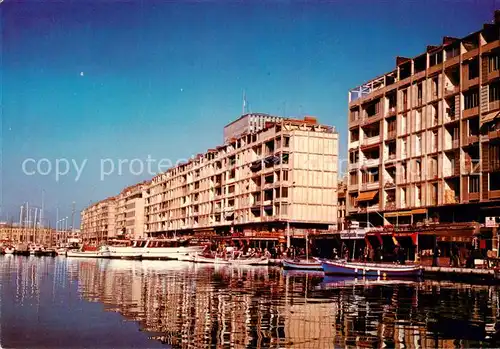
{"x":302,"y":265}
{"x":88,"y":254}
{"x":243,"y":261}
{"x":370,"y":269}
{"x":167,"y":253}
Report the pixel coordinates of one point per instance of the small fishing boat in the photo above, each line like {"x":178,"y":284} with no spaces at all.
{"x":90,"y":252}
{"x":228,"y":261}
{"x":302,"y":264}
{"x":341,"y":267}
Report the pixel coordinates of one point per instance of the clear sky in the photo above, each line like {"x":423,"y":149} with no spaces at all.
{"x":92,"y":80}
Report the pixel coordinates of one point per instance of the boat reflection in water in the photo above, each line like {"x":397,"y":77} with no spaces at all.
{"x":188,"y":305}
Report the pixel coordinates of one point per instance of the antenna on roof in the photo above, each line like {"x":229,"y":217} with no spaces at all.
{"x":245,"y":106}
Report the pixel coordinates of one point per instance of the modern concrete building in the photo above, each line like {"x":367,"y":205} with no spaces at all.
{"x":98,"y":221}
{"x":130,"y":212}
{"x":425,"y":137}
{"x":280,"y":177}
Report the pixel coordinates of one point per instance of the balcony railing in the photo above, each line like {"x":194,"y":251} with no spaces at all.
{"x":354,"y":166}
{"x":473,"y":166}
{"x":371,"y":162}
{"x":390,"y":205}
{"x":371,"y":185}
{"x":389,"y":184}
{"x":371,"y":140}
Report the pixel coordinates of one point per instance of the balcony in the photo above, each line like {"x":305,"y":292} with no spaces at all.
{"x":391,"y":112}
{"x":371,"y":162}
{"x":390,"y":205}
{"x":390,"y":184}
{"x":494,"y":134}
{"x":391,"y":134}
{"x":371,"y":119}
{"x":473,"y":196}
{"x":352,"y":167}
{"x":371,"y":185}
{"x":451,"y":90}
{"x":455,"y":143}
{"x":370,"y":141}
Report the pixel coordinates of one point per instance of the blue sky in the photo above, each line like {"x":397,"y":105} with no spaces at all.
{"x":122,"y":80}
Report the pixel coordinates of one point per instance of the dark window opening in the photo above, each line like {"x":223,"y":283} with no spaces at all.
{"x":474,"y":69}
{"x":495,"y":181}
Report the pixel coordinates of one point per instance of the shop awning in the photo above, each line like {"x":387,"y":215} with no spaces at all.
{"x":490,"y":117}
{"x":367,"y":195}
{"x":419,"y":211}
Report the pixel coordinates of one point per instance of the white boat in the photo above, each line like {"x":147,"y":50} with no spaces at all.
{"x":9,"y":250}
{"x":61,"y":251}
{"x":187,"y":257}
{"x":153,"y":249}
{"x":101,"y":252}
{"x":238,"y":261}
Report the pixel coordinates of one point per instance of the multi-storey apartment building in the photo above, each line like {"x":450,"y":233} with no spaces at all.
{"x":280,"y":176}
{"x":130,"y":212}
{"x":98,"y":220}
{"x":425,"y":136}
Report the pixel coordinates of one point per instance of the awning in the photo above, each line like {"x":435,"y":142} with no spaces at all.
{"x":367,"y":195}
{"x":489,"y":117}
{"x":419,"y":211}
{"x":398,"y":214}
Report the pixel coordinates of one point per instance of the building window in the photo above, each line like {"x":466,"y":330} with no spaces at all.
{"x":471,"y":99}
{"x":353,"y":178}
{"x":354,"y":114}
{"x":473,"y":184}
{"x":473,"y":69}
{"x":286,"y":141}
{"x":494,"y":152}
{"x":494,"y":91}
{"x":419,"y":93}
{"x":285,"y":176}
{"x":354,"y":135}
{"x":405,"y":99}
{"x":373,"y":108}
{"x":493,"y":63}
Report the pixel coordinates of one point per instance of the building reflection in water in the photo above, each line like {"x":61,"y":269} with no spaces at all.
{"x":186,"y":304}
{"x":189,"y":305}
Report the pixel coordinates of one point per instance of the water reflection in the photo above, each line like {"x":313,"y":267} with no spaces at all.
{"x":189,"y":305}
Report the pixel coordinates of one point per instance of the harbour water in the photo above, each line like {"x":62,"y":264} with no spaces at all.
{"x":95,"y":303}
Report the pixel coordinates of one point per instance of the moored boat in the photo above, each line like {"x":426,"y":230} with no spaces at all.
{"x":228,"y":261}
{"x":302,"y":264}
{"x":9,"y":249}
{"x":153,"y":248}
{"x":90,"y":252}
{"x":341,"y":267}
{"x":187,"y":257}
{"x":61,"y":251}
